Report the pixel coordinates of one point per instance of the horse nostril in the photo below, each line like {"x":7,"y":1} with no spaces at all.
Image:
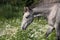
{"x":23,"y":28}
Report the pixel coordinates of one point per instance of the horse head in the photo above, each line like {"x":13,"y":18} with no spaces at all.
{"x":27,"y":18}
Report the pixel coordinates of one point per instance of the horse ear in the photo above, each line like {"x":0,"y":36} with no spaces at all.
{"x":26,"y":9}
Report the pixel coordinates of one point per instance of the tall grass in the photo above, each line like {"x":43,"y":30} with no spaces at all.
{"x":10,"y":22}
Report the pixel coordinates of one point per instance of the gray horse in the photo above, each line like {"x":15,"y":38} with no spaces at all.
{"x":49,"y":10}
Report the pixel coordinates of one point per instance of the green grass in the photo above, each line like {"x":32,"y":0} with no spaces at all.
{"x":12,"y":30}
{"x":10,"y":22}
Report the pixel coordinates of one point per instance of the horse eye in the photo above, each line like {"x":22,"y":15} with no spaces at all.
{"x":28,"y":16}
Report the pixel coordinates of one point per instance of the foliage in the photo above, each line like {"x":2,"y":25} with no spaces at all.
{"x":11,"y":12}
{"x":12,"y":8}
{"x":12,"y":30}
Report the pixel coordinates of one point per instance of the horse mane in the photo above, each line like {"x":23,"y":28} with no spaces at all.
{"x":51,"y":1}
{"x":32,"y":5}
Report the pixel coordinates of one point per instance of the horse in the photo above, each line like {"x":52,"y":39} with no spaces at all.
{"x":49,"y":10}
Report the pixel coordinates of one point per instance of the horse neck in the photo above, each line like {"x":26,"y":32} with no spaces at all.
{"x":40,"y":12}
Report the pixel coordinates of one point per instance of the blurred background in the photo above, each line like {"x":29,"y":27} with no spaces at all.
{"x":11,"y":12}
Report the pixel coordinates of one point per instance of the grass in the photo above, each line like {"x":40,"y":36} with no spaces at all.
{"x":10,"y":29}
{"x":10,"y":22}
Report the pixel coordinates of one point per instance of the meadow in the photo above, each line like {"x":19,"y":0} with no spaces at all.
{"x":10,"y":22}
